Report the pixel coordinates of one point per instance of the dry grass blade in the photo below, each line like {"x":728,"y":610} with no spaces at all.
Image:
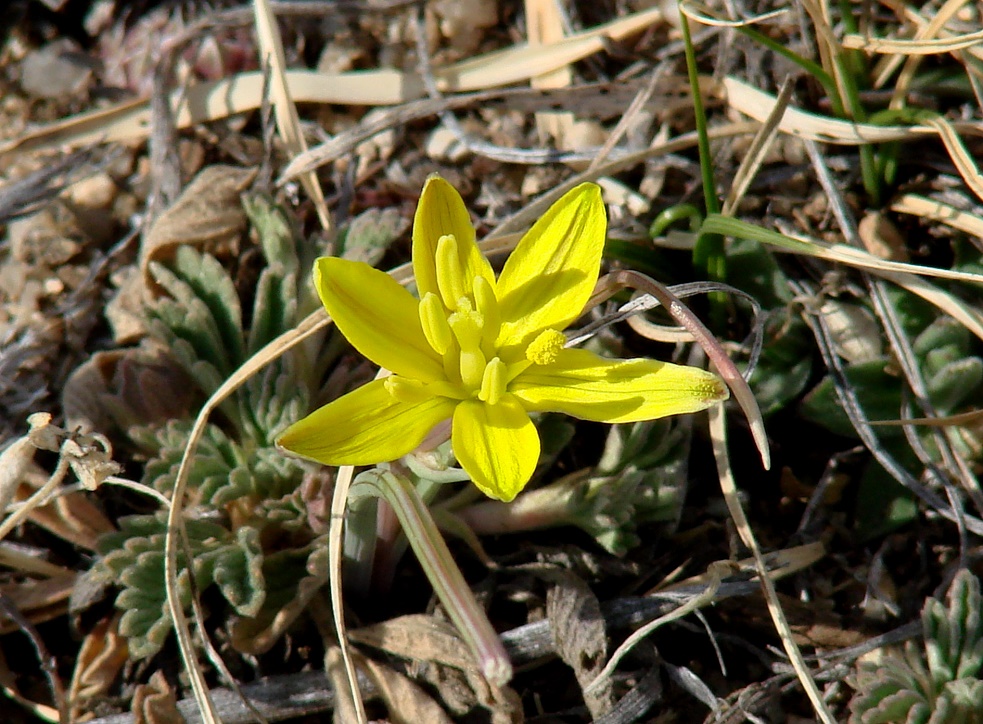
{"x":703,"y":15}
{"x":755,"y":155}
{"x":287,"y":120}
{"x":537,"y":208}
{"x":911,"y":62}
{"x":939,"y":211}
{"x":544,"y":26}
{"x":757,"y":104}
{"x":957,"y":152}
{"x":718,"y":435}
{"x":339,"y":505}
{"x":928,"y":46}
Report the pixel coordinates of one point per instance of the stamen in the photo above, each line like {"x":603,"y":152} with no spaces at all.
{"x":487,"y":305}
{"x":433,"y":317}
{"x":544,"y":349}
{"x":407,"y":390}
{"x":450,"y":274}
{"x":493,"y":382}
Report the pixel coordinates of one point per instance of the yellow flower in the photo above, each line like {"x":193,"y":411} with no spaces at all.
{"x":481,"y":351}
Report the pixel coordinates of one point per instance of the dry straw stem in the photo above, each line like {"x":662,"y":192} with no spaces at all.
{"x":718,"y":436}
{"x":700,"y":13}
{"x":884,"y":70}
{"x":544,"y":25}
{"x":757,"y":104}
{"x":287,"y":120}
{"x":938,"y":211}
{"x":715,"y":574}
{"x":758,"y":150}
{"x":244,"y":92}
{"x":915,"y":46}
{"x":336,"y":529}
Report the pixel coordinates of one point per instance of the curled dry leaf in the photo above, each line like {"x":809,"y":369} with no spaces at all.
{"x":417,"y":637}
{"x":100,"y":659}
{"x":207,"y":215}
{"x":452,"y":670}
{"x":155,"y":703}
{"x":123,"y":388}
{"x":579,"y":637}
{"x":89,"y":455}
{"x":407,"y":703}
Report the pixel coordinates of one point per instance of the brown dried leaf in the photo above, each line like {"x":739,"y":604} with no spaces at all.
{"x":579,"y":636}
{"x":451,"y":668}
{"x":14,"y":464}
{"x":407,"y":702}
{"x":38,"y":600}
{"x":462,"y":691}
{"x":125,"y":388}
{"x":418,"y":637}
{"x":882,"y":238}
{"x":71,"y":517}
{"x":208,"y":215}
{"x":100,"y":659}
{"x":155,"y":703}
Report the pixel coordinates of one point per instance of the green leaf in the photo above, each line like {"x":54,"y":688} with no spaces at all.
{"x":878,"y":391}
{"x":135,"y":557}
{"x":272,"y":399}
{"x":955,"y":382}
{"x":901,"y":689}
{"x":238,"y":572}
{"x":213,"y":462}
{"x":785,"y":364}
{"x":204,"y":309}
{"x":754,"y":269}
{"x":883,"y":504}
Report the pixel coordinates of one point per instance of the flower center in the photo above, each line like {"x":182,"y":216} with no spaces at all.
{"x":461,"y":322}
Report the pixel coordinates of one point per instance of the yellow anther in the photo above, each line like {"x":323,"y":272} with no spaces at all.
{"x":493,"y":382}
{"x":433,"y":317}
{"x":487,"y":305}
{"x":407,"y":390}
{"x":450,"y":274}
{"x":545,"y":347}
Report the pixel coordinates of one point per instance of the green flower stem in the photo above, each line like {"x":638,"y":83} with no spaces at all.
{"x":445,"y":577}
{"x":389,"y":544}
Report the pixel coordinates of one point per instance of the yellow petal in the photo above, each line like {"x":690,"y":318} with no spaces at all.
{"x":584,"y":385}
{"x":441,"y":212}
{"x":378,"y":316}
{"x":497,"y":445}
{"x":550,"y":276}
{"x":364,"y":427}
